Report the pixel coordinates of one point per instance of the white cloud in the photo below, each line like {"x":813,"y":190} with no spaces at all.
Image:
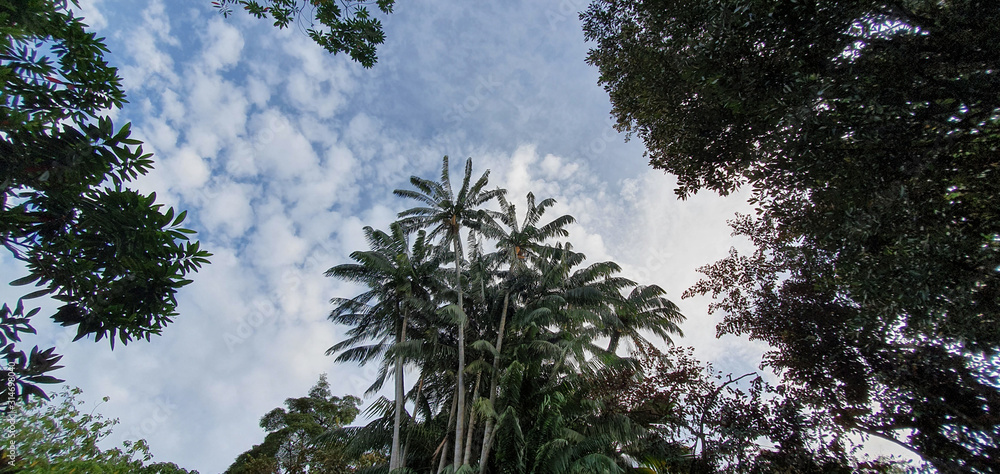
{"x":227,"y":208}
{"x":555,"y":167}
{"x":314,"y":95}
{"x":92,"y":14}
{"x":258,"y":92}
{"x":172,"y":108}
{"x":156,"y":21}
{"x":333,"y":184}
{"x":216,"y":112}
{"x":314,"y":61}
{"x":280,"y":150}
{"x":224,"y":43}
{"x":275,"y":244}
{"x":667,"y":240}
{"x":160,"y":135}
{"x":154,"y":68}
{"x":188,"y":168}
{"x":239,"y":159}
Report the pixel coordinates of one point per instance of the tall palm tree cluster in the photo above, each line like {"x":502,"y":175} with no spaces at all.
{"x":506,"y":330}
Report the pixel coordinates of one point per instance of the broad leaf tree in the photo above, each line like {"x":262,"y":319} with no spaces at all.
{"x":702,"y":420}
{"x":338,"y":26}
{"x":111,"y":256}
{"x":292,"y":443}
{"x":867,"y":132}
{"x":58,"y":437}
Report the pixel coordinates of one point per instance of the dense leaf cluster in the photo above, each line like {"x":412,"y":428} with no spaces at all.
{"x":56,"y":437}
{"x":533,"y":315}
{"x":292,"y":445}
{"x":541,"y":392}
{"x":868,"y":132}
{"x":111,"y":256}
{"x":339,"y":26}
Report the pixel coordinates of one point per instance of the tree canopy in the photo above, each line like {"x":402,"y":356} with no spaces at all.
{"x":111,"y":256}
{"x":338,"y":26}
{"x":292,"y":444}
{"x":447,"y":213}
{"x":400,"y":280}
{"x":541,"y":391}
{"x":867,"y":132}
{"x":57,"y":437}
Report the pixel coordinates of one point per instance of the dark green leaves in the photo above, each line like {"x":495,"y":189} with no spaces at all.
{"x":868,"y":132}
{"x":24,"y":280}
{"x":293,"y":440}
{"x":108,"y":254}
{"x":56,"y":436}
{"x":339,"y":27}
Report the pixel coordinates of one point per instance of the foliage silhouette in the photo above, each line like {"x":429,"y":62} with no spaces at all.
{"x":111,"y":256}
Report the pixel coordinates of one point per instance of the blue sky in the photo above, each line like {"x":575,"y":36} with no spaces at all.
{"x":281,"y":153}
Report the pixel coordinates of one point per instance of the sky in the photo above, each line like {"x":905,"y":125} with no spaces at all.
{"x":281,"y":153}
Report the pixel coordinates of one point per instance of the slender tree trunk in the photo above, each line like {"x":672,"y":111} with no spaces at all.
{"x":394,"y":456}
{"x":402,"y":458}
{"x":460,"y":379}
{"x":409,"y":432}
{"x":472,"y":422}
{"x":613,"y":345}
{"x":491,"y":420}
{"x":442,"y":447}
{"x":451,"y":420}
{"x":416,"y":404}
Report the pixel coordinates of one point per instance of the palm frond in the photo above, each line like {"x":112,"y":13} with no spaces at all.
{"x":445,"y":184}
{"x":361,"y":354}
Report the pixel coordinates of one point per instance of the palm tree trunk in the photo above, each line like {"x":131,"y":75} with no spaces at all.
{"x":460,"y":382}
{"x":402,"y":457}
{"x":416,"y":403}
{"x":444,"y":442}
{"x":491,"y":420}
{"x":472,"y":422}
{"x":394,"y":456}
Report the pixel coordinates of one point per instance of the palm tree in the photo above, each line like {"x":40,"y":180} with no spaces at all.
{"x":644,"y":308}
{"x":401,"y":280}
{"x":580,"y":294}
{"x":516,"y":243}
{"x":520,"y":241}
{"x":546,"y":421}
{"x":547,"y":307}
{"x":445,"y":214}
